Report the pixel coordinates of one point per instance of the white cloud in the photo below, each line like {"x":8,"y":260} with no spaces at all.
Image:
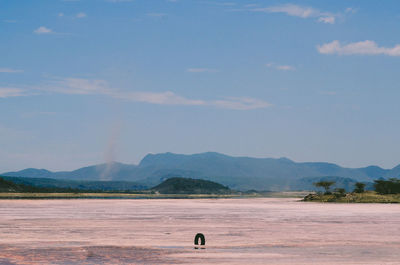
{"x":78,"y":15}
{"x":10,"y":71}
{"x":299,"y":11}
{"x":81,"y":15}
{"x":329,"y":20}
{"x":79,"y":86}
{"x":201,"y":70}
{"x":43,"y":30}
{"x":285,"y":67}
{"x":251,"y":5}
{"x":241,"y":103}
{"x":6,"y":92}
{"x":87,"y":87}
{"x":281,"y":67}
{"x":161,"y":98}
{"x":291,"y":10}
{"x":366,"y":47}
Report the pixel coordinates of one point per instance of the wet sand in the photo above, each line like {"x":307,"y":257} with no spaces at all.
{"x":238,"y":231}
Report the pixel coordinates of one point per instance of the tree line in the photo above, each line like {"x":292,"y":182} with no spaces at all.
{"x":381,"y":186}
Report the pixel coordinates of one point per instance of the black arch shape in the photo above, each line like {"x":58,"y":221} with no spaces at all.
{"x":201,"y":237}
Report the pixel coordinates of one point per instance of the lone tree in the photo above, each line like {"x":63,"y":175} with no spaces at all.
{"x":326,"y":185}
{"x":339,"y":192}
{"x":359,"y":187}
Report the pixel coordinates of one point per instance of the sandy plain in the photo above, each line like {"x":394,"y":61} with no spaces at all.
{"x":237,"y":231}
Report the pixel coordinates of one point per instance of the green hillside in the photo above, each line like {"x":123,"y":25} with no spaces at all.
{"x":179,"y":185}
{"x":83,"y":185}
{"x":9,"y":186}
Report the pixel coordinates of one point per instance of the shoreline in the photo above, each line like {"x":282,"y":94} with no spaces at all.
{"x":141,"y":196}
{"x":365,"y":197}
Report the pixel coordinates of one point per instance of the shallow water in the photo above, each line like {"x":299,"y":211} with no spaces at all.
{"x":237,"y":231}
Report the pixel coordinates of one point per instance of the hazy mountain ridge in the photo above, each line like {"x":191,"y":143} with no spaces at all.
{"x":236,"y":172}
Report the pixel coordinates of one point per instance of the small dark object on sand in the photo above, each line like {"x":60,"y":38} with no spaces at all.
{"x":201,"y":237}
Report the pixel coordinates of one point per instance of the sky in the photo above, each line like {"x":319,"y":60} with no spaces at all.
{"x":84,"y":82}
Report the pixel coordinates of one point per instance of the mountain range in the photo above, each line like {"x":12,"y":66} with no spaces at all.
{"x":240,"y":173}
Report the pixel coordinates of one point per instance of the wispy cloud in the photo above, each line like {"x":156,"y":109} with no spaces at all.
{"x":251,"y":5}
{"x":6,"y":92}
{"x":160,"y":98}
{"x":80,"y":86}
{"x":81,"y":15}
{"x":241,"y":103}
{"x":285,"y":67}
{"x":328,"y":19}
{"x":299,"y":11}
{"x":281,"y":67}
{"x":10,"y":70}
{"x":77,"y":86}
{"x":201,"y":70}
{"x":73,"y":16}
{"x":351,"y":10}
{"x":43,"y":30}
{"x":86,"y":87}
{"x":366,"y":47}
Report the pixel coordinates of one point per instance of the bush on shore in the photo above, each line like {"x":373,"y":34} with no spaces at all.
{"x":386,"y":191}
{"x":391,"y":186}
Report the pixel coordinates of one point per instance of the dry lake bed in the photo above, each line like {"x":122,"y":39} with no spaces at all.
{"x":237,"y":231}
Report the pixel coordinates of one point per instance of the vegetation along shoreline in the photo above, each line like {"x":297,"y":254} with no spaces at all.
{"x":385,"y":191}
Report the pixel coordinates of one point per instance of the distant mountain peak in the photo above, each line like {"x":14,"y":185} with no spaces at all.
{"x":285,"y":159}
{"x":234,"y":171}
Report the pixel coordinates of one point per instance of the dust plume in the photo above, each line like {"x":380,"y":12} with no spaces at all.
{"x":109,"y":155}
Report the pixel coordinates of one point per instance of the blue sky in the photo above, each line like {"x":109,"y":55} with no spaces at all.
{"x":90,"y":81}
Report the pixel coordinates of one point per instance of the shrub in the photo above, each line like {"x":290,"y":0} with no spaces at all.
{"x":325,"y":184}
{"x":391,"y":186}
{"x":339,"y":192}
{"x":359,"y":187}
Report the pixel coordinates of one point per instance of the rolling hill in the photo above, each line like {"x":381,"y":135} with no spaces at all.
{"x":89,"y":185}
{"x":177,"y":185}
